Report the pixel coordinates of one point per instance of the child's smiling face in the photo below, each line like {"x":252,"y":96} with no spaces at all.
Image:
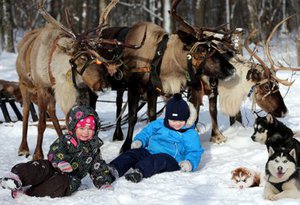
{"x":84,"y":133}
{"x":176,"y":124}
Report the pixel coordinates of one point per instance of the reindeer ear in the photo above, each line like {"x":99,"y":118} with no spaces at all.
{"x":253,"y":75}
{"x":293,"y":154}
{"x":185,"y":37}
{"x":271,"y":151}
{"x":270,"y":118}
{"x":67,"y":45}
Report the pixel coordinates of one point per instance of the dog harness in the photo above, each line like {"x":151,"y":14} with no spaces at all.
{"x":278,"y":186}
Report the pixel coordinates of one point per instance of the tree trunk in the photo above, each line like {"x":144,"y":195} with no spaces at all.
{"x":297,"y":7}
{"x":166,"y":15}
{"x":1,"y":27}
{"x":199,"y":12}
{"x":8,"y":27}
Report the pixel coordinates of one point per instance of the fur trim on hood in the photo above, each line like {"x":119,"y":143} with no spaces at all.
{"x":193,"y":115}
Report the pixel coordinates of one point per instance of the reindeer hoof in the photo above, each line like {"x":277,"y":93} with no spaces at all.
{"x":37,"y":157}
{"x":218,"y":139}
{"x":23,"y":153}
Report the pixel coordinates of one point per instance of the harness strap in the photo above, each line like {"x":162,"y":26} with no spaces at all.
{"x":140,"y":70}
{"x":156,"y":64}
{"x":279,"y":185}
{"x":192,"y":77}
{"x":53,"y":47}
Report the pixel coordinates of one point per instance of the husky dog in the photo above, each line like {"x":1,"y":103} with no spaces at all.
{"x":282,"y":176}
{"x":271,"y":132}
{"x":243,"y":177}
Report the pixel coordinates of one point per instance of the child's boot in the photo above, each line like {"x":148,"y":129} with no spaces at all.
{"x":135,"y":176}
{"x":11,"y":181}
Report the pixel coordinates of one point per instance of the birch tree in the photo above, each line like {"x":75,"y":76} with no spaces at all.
{"x":8,"y":27}
{"x":166,"y":15}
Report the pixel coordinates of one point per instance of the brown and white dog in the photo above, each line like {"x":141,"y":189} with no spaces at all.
{"x":243,"y":177}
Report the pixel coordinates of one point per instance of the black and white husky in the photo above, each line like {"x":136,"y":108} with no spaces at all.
{"x":271,"y":132}
{"x":282,"y":179}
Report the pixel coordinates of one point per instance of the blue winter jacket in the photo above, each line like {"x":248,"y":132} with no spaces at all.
{"x":157,"y":138}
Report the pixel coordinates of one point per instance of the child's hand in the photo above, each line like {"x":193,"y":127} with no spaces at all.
{"x":136,"y":144}
{"x":185,"y":166}
{"x":65,"y":166}
{"x":107,"y":187}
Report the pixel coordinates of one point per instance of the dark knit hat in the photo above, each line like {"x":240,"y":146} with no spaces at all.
{"x":177,"y":109}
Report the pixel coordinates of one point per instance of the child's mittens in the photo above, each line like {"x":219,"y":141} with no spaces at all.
{"x":65,"y":166}
{"x":185,"y":166}
{"x":136,"y":144}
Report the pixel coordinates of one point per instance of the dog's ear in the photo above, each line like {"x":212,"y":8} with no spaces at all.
{"x":270,"y":118}
{"x":271,"y":151}
{"x":293,"y":154}
{"x":255,"y":115}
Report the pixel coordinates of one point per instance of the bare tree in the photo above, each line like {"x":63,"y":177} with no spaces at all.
{"x":8,"y":26}
{"x":297,"y":7}
{"x":1,"y":27}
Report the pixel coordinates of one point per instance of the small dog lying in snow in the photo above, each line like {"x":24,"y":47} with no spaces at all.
{"x":243,"y":177}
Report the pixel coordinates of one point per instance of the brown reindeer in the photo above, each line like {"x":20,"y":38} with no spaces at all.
{"x":167,"y":63}
{"x":44,"y":70}
{"x":254,"y":80}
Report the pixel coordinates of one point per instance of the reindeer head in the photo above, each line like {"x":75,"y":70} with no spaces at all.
{"x":85,"y":48}
{"x":266,"y":88}
{"x":210,"y":48}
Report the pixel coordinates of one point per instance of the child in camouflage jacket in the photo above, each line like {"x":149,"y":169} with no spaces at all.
{"x":71,"y":157}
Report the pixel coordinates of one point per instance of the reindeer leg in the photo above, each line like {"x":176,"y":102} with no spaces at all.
{"x":152,"y":105}
{"x":118,"y":134}
{"x":196,"y":100}
{"x":52,"y":113}
{"x":216,"y":135}
{"x":42,"y":104}
{"x":23,"y":148}
{"x":133,"y":101}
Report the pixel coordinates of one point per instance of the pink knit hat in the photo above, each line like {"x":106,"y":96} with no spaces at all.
{"x":88,"y":121}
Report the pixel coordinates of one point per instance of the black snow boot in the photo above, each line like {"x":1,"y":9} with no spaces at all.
{"x":136,"y":176}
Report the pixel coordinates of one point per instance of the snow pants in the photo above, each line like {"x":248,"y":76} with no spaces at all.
{"x":148,"y":164}
{"x":43,"y":178}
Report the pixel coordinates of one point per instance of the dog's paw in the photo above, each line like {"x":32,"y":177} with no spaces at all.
{"x":269,"y":196}
{"x":218,"y":139}
{"x":275,"y":197}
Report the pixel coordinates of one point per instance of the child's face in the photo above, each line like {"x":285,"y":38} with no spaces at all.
{"x":176,"y":124}
{"x":84,"y":133}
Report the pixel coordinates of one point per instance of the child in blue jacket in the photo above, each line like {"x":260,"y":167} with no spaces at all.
{"x":164,"y":145}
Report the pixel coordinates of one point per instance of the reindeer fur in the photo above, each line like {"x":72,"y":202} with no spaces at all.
{"x":234,"y":91}
{"x":39,"y":54}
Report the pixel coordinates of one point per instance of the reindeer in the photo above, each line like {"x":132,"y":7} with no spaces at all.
{"x":251,"y":79}
{"x":44,"y":70}
{"x":167,"y":63}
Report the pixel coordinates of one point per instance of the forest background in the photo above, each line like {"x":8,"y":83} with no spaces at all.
{"x":19,"y":16}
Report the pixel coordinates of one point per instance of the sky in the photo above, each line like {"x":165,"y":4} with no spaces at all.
{"x":210,"y":184}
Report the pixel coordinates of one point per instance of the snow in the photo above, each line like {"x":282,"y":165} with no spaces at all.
{"x":209,"y":185}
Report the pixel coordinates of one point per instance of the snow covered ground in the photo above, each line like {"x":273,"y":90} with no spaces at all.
{"x":209,"y":185}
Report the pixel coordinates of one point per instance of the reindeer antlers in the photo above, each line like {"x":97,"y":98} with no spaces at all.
{"x":267,"y":50}
{"x":104,"y":14}
{"x":182,"y":22}
{"x":50,"y":19}
{"x":272,"y":68}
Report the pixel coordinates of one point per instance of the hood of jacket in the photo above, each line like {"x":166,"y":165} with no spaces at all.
{"x":80,"y":112}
